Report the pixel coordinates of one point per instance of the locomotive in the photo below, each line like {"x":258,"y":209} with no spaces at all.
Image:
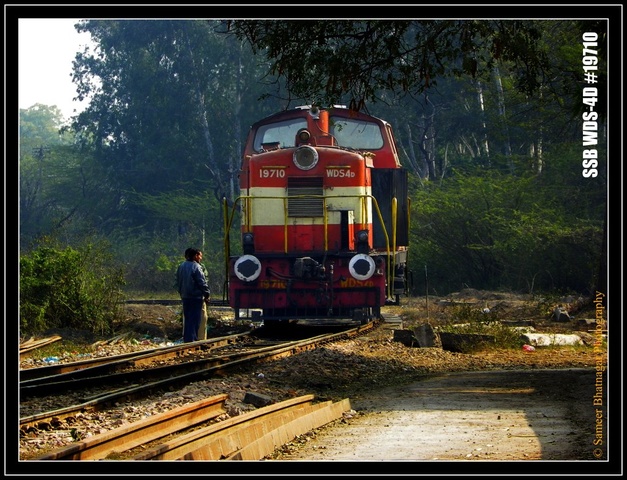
{"x":324,"y":214}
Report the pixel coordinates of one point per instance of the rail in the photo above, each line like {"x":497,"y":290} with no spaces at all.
{"x":250,"y":436}
{"x":194,"y":371}
{"x":111,"y":364}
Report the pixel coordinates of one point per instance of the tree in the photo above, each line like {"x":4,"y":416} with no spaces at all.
{"x":41,"y":125}
{"x":498,"y":231}
{"x":169,"y":100}
{"x":328,"y":60}
{"x":166,"y":99}
{"x":41,"y":144}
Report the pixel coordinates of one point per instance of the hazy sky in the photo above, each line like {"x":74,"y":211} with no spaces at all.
{"x":46,"y":49}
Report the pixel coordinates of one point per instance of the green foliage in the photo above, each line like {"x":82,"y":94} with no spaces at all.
{"x":151,"y":259}
{"x":164,"y":103}
{"x":69,"y":288}
{"x":41,"y":125}
{"x":468,"y":319}
{"x":498,"y":231}
{"x":326,"y":61}
{"x":63,"y":192}
{"x":165,"y":264}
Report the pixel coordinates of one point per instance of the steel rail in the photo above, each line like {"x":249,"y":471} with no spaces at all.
{"x":138,"y":391}
{"x":108,"y":376}
{"x":250,"y":436}
{"x":106,"y":365}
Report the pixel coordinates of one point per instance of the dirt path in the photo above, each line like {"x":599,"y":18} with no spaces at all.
{"x":498,"y":415}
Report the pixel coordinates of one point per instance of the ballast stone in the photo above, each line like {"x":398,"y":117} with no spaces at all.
{"x":257,"y":399}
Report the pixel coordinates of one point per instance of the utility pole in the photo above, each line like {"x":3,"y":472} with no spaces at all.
{"x":39,"y":153}
{"x":427,"y":290}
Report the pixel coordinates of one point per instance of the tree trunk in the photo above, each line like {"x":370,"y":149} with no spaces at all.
{"x":501,"y":102}
{"x":486,"y":145}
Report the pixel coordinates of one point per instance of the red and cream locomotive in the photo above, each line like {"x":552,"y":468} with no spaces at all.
{"x":324,"y":218}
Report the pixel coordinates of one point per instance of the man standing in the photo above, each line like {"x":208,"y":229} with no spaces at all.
{"x":194,"y":291}
{"x":202,"y":328}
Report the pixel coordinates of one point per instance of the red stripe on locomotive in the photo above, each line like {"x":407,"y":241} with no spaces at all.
{"x":300,"y":239}
{"x":277,"y":288}
{"x":339,"y":168}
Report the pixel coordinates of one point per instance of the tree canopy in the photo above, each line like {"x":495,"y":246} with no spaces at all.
{"x":485,"y":114}
{"x":326,"y":61}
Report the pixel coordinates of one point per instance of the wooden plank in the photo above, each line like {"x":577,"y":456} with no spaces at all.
{"x":33,"y":344}
{"x":244,"y":434}
{"x":136,"y":433}
{"x":202,"y":443}
{"x":266,"y":444}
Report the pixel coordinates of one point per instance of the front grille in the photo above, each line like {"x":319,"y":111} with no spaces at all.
{"x":312,"y":204}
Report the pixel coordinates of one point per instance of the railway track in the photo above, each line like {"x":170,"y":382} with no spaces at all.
{"x":187,"y":433}
{"x":53,"y":378}
{"x":109,"y":384}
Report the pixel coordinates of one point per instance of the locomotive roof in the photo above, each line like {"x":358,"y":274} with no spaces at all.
{"x":340,"y":110}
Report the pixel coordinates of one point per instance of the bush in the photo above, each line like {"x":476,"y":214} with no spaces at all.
{"x":468,"y":319}
{"x":69,"y":288}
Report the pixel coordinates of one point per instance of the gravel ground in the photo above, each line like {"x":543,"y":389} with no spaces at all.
{"x":358,"y":369}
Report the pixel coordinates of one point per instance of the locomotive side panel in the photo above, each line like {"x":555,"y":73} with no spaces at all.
{"x":389,"y":186}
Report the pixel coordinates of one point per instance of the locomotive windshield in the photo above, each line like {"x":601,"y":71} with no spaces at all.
{"x":356,"y":133}
{"x":283,"y":133}
{"x":349,"y":133}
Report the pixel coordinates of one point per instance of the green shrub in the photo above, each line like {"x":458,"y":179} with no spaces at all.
{"x":471,"y":320}
{"x":69,"y":288}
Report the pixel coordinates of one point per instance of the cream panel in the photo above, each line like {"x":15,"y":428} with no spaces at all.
{"x":271,"y":210}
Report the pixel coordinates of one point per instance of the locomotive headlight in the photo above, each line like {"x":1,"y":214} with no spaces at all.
{"x":305,"y":157}
{"x":247,"y":268}
{"x":361,"y":266}
{"x":303,"y":135}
